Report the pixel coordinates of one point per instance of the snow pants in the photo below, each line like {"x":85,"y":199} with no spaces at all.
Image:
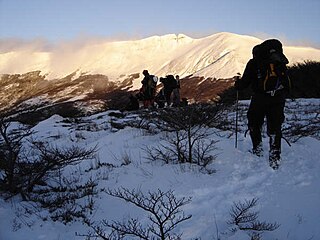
{"x":176,"y":97}
{"x":148,"y":96}
{"x":272,"y":107}
{"x":167,"y":94}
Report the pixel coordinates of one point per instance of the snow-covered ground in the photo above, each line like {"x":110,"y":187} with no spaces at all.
{"x":289,"y":196}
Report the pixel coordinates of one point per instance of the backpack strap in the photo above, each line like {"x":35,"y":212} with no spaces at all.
{"x":270,"y":73}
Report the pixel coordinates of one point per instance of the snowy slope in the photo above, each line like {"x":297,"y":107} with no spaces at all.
{"x":221,"y":55}
{"x":289,"y":196}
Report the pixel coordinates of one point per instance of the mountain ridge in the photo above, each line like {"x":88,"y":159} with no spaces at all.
{"x":220,"y":55}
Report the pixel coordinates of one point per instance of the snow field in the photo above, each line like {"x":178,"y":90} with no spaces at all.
{"x":289,"y":196}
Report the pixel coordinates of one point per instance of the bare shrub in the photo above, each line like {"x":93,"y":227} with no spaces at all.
{"x":11,"y":148}
{"x":34,"y":170}
{"x":303,"y":120}
{"x":164,"y":211}
{"x":66,"y":201}
{"x":24,"y":168}
{"x":189,"y":134}
{"x":242,"y":217}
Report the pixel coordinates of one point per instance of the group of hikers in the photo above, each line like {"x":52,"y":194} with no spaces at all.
{"x":168,"y":96}
{"x":265,"y":73}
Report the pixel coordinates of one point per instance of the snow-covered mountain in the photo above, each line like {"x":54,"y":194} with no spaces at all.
{"x":81,"y":69}
{"x":221,"y":55}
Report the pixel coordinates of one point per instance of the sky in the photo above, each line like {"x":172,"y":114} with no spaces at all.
{"x":294,"y":21}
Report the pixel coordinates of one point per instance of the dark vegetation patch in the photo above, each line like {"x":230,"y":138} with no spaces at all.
{"x":57,"y":95}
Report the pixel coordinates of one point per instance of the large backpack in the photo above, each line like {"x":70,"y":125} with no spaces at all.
{"x":271,"y":67}
{"x":152,"y":82}
{"x":172,"y":83}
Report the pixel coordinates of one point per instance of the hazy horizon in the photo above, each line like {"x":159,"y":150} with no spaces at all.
{"x":42,"y":44}
{"x":294,"y":22}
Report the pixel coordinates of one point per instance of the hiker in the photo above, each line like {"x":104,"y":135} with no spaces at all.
{"x":176,"y":93}
{"x":160,"y":98}
{"x":148,"y":89}
{"x":266,"y":73}
{"x":169,"y":83}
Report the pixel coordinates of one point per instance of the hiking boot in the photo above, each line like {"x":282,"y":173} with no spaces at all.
{"x":274,"y":159}
{"x":258,"y":150}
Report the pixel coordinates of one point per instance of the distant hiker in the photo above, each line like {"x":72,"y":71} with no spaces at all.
{"x":266,"y":73}
{"x":148,"y":89}
{"x":160,"y":98}
{"x":169,"y":83}
{"x":176,"y":93}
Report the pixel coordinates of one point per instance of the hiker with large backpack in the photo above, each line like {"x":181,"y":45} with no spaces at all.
{"x":169,"y":83}
{"x":266,"y":73}
{"x":148,"y":90}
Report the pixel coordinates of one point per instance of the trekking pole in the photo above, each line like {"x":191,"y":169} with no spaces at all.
{"x":236,"y":142}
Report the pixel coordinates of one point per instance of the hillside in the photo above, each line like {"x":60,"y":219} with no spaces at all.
{"x":101,"y":73}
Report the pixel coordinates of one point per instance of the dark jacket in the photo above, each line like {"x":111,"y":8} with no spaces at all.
{"x":148,"y":87}
{"x":169,"y":83}
{"x":249,"y":76}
